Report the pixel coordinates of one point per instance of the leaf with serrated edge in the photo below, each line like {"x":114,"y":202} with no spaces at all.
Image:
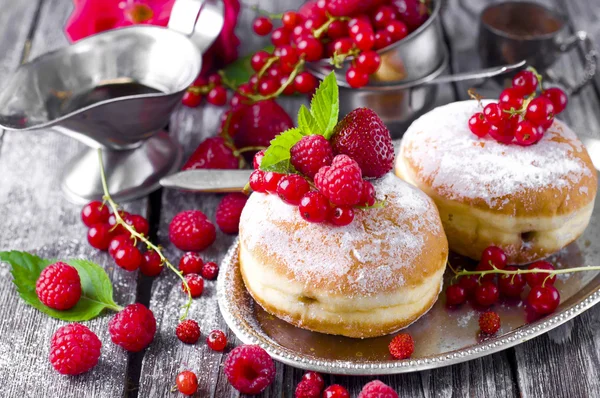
{"x":325,"y":105}
{"x":279,"y":151}
{"x":306,"y":122}
{"x":96,"y":286}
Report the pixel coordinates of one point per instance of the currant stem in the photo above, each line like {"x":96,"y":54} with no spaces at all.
{"x":277,"y":93}
{"x":525,"y":271}
{"x":136,"y":235}
{"x":267,"y":65}
{"x":317,"y":33}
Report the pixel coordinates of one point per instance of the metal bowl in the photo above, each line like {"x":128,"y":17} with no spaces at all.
{"x":416,"y":56}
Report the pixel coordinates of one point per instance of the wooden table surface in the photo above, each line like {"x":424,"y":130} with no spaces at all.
{"x":35,"y":216}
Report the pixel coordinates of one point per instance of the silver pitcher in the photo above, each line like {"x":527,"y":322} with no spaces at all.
{"x":115,"y":90}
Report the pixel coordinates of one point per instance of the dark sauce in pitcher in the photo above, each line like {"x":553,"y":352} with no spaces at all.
{"x":522,"y":20}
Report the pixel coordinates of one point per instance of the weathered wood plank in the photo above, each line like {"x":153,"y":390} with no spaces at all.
{"x":34,"y":213}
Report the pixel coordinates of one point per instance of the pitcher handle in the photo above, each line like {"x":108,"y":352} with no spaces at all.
{"x":200,"y":20}
{"x":591,"y":61}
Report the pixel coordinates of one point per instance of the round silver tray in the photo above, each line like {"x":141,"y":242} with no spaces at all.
{"x":442,"y":337}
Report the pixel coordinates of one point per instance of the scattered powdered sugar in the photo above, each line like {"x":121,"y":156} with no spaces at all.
{"x":380,"y":240}
{"x":461,"y":165}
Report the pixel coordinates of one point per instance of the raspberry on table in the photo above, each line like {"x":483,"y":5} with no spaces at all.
{"x":306,"y":389}
{"x":362,"y":135}
{"x":489,"y":322}
{"x":210,"y":271}
{"x":188,"y":331}
{"x":133,"y":328}
{"x":59,"y":286}
{"x":190,"y":263}
{"x":249,"y":369}
{"x":196,"y":284}
{"x":377,"y":389}
{"x":229,"y":212}
{"x":191,"y":231}
{"x":187,"y":382}
{"x":341,"y":182}
{"x":402,"y":346}
{"x":310,"y":154}
{"x":74,"y":349}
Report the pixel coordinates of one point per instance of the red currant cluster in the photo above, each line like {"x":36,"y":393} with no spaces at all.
{"x":520,"y":116}
{"x":105,"y":233}
{"x":338,"y":185}
{"x":485,"y":290}
{"x":212,"y":88}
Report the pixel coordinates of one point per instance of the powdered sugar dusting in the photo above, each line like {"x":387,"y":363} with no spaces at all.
{"x":461,"y":165}
{"x":381,"y":241}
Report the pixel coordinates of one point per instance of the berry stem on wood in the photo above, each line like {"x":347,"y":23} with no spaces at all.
{"x":136,"y":235}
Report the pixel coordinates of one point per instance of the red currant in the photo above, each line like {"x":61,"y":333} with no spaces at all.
{"x":275,"y":72}
{"x":258,"y":157}
{"x":341,"y":216}
{"x":216,"y":340}
{"x":314,"y":378}
{"x":128,"y":257}
{"x":217,"y":96}
{"x":337,"y":29}
{"x":315,"y":22}
{"x":540,"y":111}
{"x":455,"y":295}
{"x":543,"y":299}
{"x":469,"y":283}
{"x":558,"y":98}
{"x":267,"y":87}
{"x":492,"y":113}
{"x":190,"y":263}
{"x":94,"y":213}
{"x":191,"y":99}
{"x":539,"y":278}
{"x":280,"y":37}
{"x":271,"y":180}
{"x":511,"y":285}
{"x":356,"y":78}
{"x":187,"y":382}
{"x":364,"y":40}
{"x":210,"y":271}
{"x":289,"y":88}
{"x":368,"y":194}
{"x":382,"y":39}
{"x":481,"y":266}
{"x":196,"y":284}
{"x":288,"y":57}
{"x":215,"y":79}
{"x":512,"y":98}
{"x":382,"y":16}
{"x":151,"y":263}
{"x":527,"y":134}
{"x":335,"y":391}
{"x":310,"y":48}
{"x":99,"y":236}
{"x":478,"y":125}
{"x":291,"y":188}
{"x":139,"y":223}
{"x":314,"y":207}
{"x":117,"y":242}
{"x":305,"y":83}
{"x":503,"y":132}
{"x":257,"y":181}
{"x":486,"y":294}
{"x":290,"y":19}
{"x":343,"y":45}
{"x":525,"y":82}
{"x":299,"y":33}
{"x":359,"y":25}
{"x":397,"y":30}
{"x":262,"y":26}
{"x":368,"y":62}
{"x":200,"y":81}
{"x":259,"y":59}
{"x":493,"y":255}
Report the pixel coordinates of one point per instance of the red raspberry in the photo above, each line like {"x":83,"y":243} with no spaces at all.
{"x":94,"y":213}
{"x":314,"y":378}
{"x":402,"y":346}
{"x":249,"y":369}
{"x":190,"y":263}
{"x":336,"y":391}
{"x":377,"y":389}
{"x":216,"y":340}
{"x":341,"y":182}
{"x":133,"y":328}
{"x":291,"y":188}
{"x":191,"y":231}
{"x":187,"y":382}
{"x":210,"y":271}
{"x":489,"y":322}
{"x":310,"y":154}
{"x":196,"y":284}
{"x":188,"y":331}
{"x":307,"y":389}
{"x":151,"y":263}
{"x":363,"y":136}
{"x":74,"y":349}
{"x":59,"y":286}
{"x":212,"y":153}
{"x":229,"y":212}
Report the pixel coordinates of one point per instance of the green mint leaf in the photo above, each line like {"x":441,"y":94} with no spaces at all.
{"x":306,"y":122}
{"x":325,"y":105}
{"x":240,"y":71}
{"x":277,"y":155}
{"x":96,"y":287}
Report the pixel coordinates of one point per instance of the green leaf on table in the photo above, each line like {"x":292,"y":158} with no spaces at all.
{"x":240,"y":70}
{"x":306,"y":122}
{"x":96,"y":287}
{"x":277,"y":155}
{"x":325,"y":105}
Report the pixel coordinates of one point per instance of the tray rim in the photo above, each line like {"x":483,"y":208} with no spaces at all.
{"x":370,"y":368}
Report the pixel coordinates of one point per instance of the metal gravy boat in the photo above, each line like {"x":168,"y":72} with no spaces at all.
{"x":115,"y":90}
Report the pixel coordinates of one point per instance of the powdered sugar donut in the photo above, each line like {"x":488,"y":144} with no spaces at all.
{"x":370,"y":278}
{"x":531,"y":201}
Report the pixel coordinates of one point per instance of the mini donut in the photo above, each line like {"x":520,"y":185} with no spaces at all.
{"x":370,"y":278}
{"x":530,"y":201}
